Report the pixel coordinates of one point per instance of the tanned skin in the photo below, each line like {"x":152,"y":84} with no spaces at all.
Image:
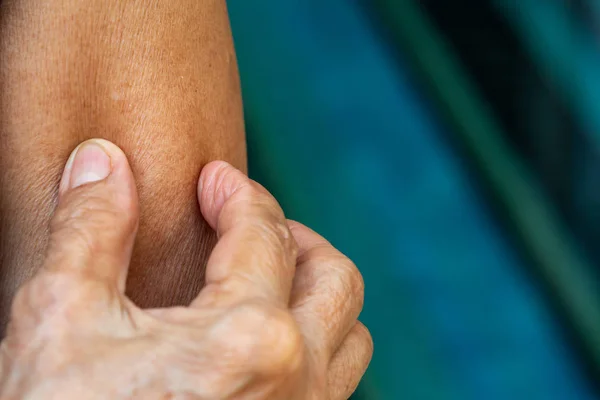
{"x":157,"y":78}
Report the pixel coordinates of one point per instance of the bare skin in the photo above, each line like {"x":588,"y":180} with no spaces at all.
{"x":159,"y":79}
{"x":277,"y":318}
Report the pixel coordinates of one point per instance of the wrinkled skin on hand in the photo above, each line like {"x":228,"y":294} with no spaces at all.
{"x":277,"y":318}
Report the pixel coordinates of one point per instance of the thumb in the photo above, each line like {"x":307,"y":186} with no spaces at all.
{"x":93,"y":227}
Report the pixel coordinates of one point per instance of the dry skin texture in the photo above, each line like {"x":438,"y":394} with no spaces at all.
{"x":159,"y":79}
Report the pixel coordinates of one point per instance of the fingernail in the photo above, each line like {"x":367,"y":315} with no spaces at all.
{"x":88,"y":163}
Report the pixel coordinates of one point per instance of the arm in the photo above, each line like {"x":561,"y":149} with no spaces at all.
{"x":159,"y":79}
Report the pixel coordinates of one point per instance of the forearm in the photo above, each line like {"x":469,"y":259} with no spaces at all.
{"x":159,"y":79}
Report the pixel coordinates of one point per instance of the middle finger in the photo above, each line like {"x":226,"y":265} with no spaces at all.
{"x":328,"y":291}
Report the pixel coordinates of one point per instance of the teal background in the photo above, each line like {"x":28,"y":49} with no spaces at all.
{"x":452,"y":153}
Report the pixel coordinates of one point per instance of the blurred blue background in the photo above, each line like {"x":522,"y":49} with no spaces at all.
{"x":452,"y":150}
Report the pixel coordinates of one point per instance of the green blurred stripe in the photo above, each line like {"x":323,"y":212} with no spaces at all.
{"x":564,"y":51}
{"x":404,"y":352}
{"x":534,"y":220}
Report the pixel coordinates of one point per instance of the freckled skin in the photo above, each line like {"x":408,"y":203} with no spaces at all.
{"x":157,"y":78}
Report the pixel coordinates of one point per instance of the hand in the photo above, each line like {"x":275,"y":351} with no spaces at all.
{"x":277,"y":318}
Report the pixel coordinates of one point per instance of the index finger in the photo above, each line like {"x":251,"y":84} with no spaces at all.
{"x":255,"y":256}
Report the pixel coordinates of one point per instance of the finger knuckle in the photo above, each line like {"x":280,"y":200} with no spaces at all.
{"x":279,"y":341}
{"x":354,"y":278}
{"x":287,"y":346}
{"x":366,"y":339}
{"x":349,"y":278}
